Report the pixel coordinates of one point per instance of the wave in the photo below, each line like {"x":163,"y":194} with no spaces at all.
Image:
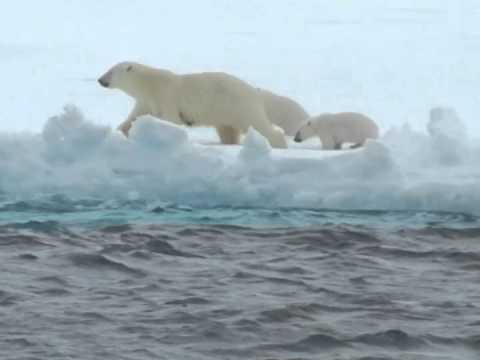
{"x":102,"y":263}
{"x":285,"y":292}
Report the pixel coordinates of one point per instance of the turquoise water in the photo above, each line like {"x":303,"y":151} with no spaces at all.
{"x":94,"y":213}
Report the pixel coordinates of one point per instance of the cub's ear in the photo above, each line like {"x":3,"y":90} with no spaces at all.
{"x":129,"y":68}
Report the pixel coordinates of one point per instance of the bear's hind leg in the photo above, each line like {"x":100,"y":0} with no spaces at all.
{"x":328,"y":142}
{"x":273,"y":133}
{"x":228,"y":135}
{"x":278,"y":138}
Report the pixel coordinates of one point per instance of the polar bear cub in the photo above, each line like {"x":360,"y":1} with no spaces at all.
{"x":212,"y":99}
{"x":336,"y":129}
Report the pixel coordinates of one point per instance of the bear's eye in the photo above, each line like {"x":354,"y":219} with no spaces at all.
{"x":129,"y":68}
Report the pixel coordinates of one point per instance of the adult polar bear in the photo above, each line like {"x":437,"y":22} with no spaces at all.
{"x":283,"y":111}
{"x":204,"y":99}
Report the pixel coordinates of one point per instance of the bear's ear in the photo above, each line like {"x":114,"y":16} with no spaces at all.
{"x":129,"y":68}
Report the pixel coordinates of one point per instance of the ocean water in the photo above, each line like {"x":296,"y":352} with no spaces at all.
{"x":89,"y":280}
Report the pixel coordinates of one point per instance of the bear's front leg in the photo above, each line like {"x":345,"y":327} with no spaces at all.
{"x":137,"y":111}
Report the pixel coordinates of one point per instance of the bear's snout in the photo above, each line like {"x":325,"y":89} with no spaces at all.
{"x":106,"y":79}
{"x":298,"y":137}
{"x":103,"y":82}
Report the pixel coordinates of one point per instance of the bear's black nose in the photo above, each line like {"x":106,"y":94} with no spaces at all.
{"x":103,"y":82}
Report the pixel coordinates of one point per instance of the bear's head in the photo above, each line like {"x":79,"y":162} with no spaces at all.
{"x":306,"y":131}
{"x":120,"y":76}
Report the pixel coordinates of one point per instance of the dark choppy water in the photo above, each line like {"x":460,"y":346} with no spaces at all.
{"x":333,"y":285}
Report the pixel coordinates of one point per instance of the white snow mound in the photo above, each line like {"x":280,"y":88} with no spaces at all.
{"x":405,"y":170}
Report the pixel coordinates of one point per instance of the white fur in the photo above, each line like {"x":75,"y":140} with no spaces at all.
{"x":336,"y":129}
{"x":283,"y":111}
{"x":203,"y":99}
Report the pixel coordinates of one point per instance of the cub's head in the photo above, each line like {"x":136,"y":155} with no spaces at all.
{"x":120,"y":76}
{"x":314,"y":126}
{"x":306,"y":131}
